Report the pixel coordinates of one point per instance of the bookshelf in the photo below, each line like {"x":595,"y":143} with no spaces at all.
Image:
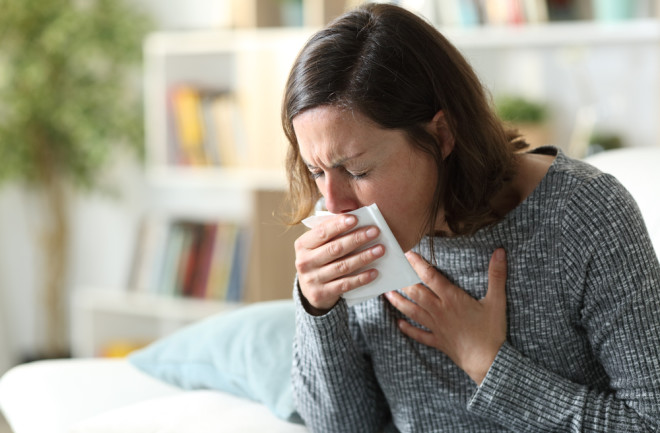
{"x":250,"y":66}
{"x":184,"y":192}
{"x":285,"y":13}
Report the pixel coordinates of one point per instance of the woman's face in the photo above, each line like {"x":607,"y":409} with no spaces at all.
{"x":356,"y":163}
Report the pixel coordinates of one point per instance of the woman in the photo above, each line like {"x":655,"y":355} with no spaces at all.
{"x":539,"y":308}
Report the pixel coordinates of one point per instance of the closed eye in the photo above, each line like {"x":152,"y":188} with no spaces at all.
{"x":316,"y":173}
{"x":357,"y":176}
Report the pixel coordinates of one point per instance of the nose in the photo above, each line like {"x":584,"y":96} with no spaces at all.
{"x":339,"y":195}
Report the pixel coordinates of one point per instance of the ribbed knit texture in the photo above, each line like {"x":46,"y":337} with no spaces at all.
{"x":583,"y":345}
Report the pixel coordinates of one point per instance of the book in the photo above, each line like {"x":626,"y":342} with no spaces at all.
{"x":503,"y":12}
{"x":169,"y":271}
{"x":460,"y":13}
{"x":237,"y":272}
{"x":227,"y":124}
{"x":189,"y":261}
{"x":189,"y":125}
{"x":148,"y":253}
{"x":207,"y":126}
{"x":535,"y":11}
{"x":221,"y":261}
{"x":204,"y":260}
{"x":211,"y":129}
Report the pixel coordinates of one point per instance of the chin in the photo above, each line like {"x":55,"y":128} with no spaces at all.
{"x":405,"y":244}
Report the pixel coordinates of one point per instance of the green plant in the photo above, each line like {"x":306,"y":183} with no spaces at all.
{"x":66,"y":104}
{"x":517,"y":109}
{"x":603,"y":141}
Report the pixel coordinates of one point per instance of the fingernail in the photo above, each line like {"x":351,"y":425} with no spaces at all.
{"x":378,"y":250}
{"x":349,"y":220}
{"x":499,"y":254}
{"x":372,"y":232}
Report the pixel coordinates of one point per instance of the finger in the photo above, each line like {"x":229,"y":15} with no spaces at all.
{"x":309,"y":259}
{"x":409,"y":308}
{"x":344,"y":245}
{"x":416,"y":333}
{"x":343,"y":285}
{"x":349,"y":264}
{"x":428,"y":274}
{"x":420,"y":294}
{"x":327,"y":230}
{"x":497,"y":271}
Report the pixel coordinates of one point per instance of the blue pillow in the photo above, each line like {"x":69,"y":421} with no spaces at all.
{"x":245,"y":352}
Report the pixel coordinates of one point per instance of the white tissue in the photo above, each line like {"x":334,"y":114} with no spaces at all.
{"x":394,"y":270}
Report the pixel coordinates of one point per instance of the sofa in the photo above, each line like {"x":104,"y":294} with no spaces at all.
{"x":227,"y":373}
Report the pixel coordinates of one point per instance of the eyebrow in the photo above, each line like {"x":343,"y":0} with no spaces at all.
{"x":336,"y":164}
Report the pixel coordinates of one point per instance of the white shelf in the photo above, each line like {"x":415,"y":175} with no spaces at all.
{"x":148,"y":305}
{"x":556,"y":34}
{"x":212,"y":41}
{"x":100,"y":317}
{"x":247,"y":179}
{"x":524,"y":35}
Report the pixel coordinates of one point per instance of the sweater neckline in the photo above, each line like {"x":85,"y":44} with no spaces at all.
{"x":500,"y":231}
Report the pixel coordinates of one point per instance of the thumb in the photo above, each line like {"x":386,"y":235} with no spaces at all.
{"x":497,"y":278}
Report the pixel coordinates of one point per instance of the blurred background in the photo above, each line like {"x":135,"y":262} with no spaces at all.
{"x":141,"y":157}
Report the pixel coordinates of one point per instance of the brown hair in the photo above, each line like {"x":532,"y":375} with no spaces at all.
{"x":399,"y":71}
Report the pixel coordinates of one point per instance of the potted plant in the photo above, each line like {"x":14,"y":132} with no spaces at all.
{"x":65,"y":105}
{"x":529,"y":117}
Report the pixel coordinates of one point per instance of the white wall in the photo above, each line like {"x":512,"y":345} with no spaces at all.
{"x":102,"y":233}
{"x":620,"y":81}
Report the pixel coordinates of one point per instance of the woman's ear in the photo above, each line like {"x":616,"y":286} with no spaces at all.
{"x":438,"y":126}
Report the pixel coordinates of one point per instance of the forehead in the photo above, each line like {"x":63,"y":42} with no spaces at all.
{"x":331,"y":133}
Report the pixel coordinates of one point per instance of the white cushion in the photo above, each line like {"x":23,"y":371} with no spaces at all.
{"x":638,"y":169}
{"x":49,"y":396}
{"x":202,"y":411}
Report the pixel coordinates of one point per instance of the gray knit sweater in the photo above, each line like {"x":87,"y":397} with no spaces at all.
{"x":583,"y":345}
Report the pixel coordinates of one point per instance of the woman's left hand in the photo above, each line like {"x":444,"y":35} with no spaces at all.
{"x":467,"y":330}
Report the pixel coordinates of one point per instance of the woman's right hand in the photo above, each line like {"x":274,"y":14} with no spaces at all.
{"x":326,"y":260}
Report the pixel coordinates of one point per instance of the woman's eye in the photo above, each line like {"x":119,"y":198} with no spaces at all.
{"x":315,"y":174}
{"x":357,"y":176}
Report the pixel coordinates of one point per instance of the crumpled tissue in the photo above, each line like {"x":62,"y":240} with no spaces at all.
{"x":394,"y":270}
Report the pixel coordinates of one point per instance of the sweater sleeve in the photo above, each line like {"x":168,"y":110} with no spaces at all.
{"x":334,"y":386}
{"x":614,"y":274}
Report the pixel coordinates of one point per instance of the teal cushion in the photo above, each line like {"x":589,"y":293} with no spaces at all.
{"x":245,"y":352}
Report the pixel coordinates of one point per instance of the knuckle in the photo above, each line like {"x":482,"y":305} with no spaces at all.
{"x":429,"y":273}
{"x":341,"y":267}
{"x":365,"y":258}
{"x":362,"y":279}
{"x":301,"y":264}
{"x":416,"y":293}
{"x":498,"y":275}
{"x":359,"y":237}
{"x":335,"y":249}
{"x":344,"y":285}
{"x":321,"y":232}
{"x":313,"y":297}
{"x":306,"y":280}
